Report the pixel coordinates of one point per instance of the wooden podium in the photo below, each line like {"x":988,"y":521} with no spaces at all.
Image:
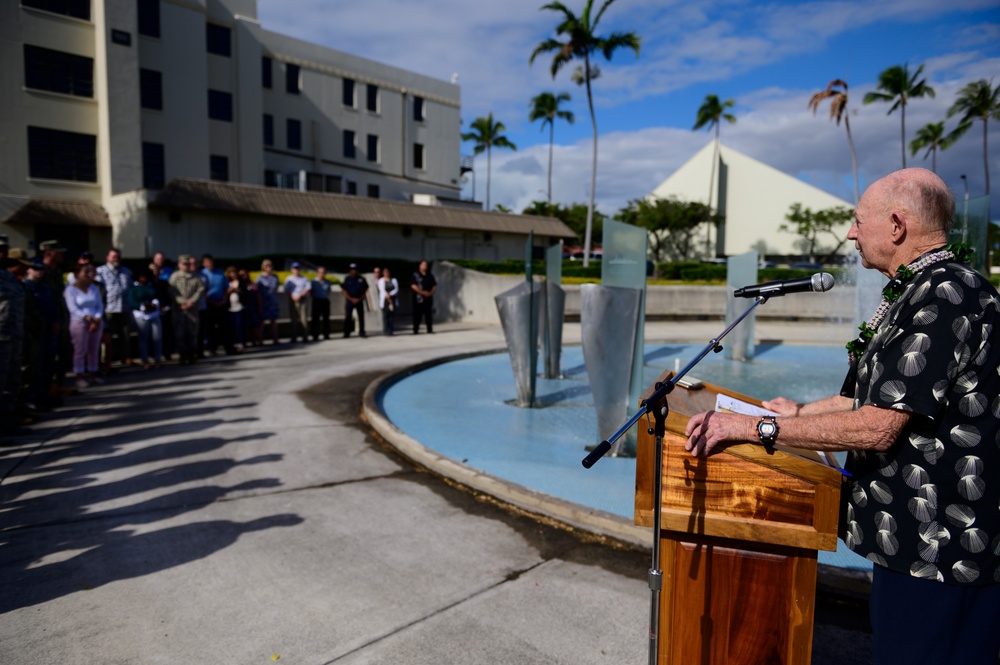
{"x":740,"y":531}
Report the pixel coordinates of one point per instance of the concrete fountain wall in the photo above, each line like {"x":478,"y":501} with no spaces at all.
{"x":467,"y":295}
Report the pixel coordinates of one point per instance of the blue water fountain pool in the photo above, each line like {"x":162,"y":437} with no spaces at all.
{"x":464,"y":409}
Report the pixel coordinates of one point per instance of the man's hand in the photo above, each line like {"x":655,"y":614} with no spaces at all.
{"x":706,"y":430}
{"x":782,"y":406}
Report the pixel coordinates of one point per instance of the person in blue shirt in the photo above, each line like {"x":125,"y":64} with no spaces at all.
{"x":163,"y":268}
{"x":216,"y":331}
{"x":267,"y":287}
{"x":321,"y":304}
{"x":297,"y":287}
{"x":116,"y":280}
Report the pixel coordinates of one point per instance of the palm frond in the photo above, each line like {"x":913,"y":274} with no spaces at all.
{"x":600,"y":12}
{"x":617,"y":40}
{"x":547,"y":46}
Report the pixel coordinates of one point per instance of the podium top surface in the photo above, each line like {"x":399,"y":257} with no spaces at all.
{"x":744,"y":492}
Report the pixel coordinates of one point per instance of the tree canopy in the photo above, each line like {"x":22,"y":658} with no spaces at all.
{"x":573,"y":215}
{"x":811,"y":226}
{"x":671,"y":222}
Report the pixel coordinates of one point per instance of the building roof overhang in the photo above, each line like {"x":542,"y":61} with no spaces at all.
{"x":32,"y":211}
{"x":184,"y":194}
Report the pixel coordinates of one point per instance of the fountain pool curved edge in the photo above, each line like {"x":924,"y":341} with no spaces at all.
{"x":461,"y":410}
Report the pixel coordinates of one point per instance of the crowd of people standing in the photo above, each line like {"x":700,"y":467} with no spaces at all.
{"x":65,"y":330}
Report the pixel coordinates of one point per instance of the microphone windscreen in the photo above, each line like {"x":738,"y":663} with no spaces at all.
{"x":822,"y":281}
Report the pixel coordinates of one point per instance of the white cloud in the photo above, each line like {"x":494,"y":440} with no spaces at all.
{"x":684,"y":44}
{"x":775,"y":128}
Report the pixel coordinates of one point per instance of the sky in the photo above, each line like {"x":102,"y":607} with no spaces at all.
{"x":769,"y":57}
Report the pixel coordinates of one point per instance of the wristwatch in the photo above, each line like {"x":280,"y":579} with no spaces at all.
{"x":767,"y":430}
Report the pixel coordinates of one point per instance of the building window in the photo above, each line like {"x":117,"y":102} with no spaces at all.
{"x":220,"y":105}
{"x":372,"y":103}
{"x":334,"y":184}
{"x":372,"y":147}
{"x":219,"y":168}
{"x":418,"y":156}
{"x":374,"y":191}
{"x":218,"y":39}
{"x":350,"y":144}
{"x":314,"y":182}
{"x":270,"y":178}
{"x":151,"y":89}
{"x":121,"y":37}
{"x":418,"y":109}
{"x":75,"y":8}
{"x":56,"y":71}
{"x":149,"y":17}
{"x":153,"y":166}
{"x":348,"y":93}
{"x":268,"y":129}
{"x":266,"y":65}
{"x":293,"y":129}
{"x":58,"y":155}
{"x":293,"y":79}
{"x":352,"y":188}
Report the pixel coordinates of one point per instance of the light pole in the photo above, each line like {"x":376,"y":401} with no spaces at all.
{"x":965,"y":214}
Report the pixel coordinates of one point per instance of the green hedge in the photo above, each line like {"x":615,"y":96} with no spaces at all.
{"x":516,"y":267}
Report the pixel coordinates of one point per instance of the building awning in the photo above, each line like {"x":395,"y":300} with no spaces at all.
{"x":204,"y":195}
{"x":31,"y":211}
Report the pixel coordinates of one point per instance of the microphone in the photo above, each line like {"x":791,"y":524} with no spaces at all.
{"x":821,"y":281}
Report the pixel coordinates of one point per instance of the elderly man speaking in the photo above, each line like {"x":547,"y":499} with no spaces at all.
{"x":920,"y":417}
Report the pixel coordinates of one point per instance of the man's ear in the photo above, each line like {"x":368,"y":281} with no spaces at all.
{"x":898,"y":227}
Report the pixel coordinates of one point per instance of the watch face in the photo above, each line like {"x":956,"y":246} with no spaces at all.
{"x":767,"y":429}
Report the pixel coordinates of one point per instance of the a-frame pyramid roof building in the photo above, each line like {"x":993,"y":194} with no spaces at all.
{"x":752,"y":197}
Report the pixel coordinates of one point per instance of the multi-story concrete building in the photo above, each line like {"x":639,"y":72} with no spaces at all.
{"x":108,"y":101}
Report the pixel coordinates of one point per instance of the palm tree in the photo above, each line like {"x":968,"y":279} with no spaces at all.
{"x":932,"y":137}
{"x":545,"y":107}
{"x":978,"y":100}
{"x":899,"y":87}
{"x":582,"y":42}
{"x":709,"y":115}
{"x":487,"y":134}
{"x":838,"y":110}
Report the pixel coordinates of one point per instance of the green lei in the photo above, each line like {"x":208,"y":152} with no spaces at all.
{"x":894,"y":289}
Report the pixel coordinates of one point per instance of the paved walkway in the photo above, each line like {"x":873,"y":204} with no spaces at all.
{"x":237,"y":512}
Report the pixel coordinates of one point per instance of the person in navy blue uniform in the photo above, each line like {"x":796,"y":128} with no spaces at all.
{"x":355,"y":288}
{"x":423,"y":286}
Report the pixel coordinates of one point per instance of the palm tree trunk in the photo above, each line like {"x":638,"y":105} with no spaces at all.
{"x":902,"y":131}
{"x":488,"y":177}
{"x":593,"y":168}
{"x":711,"y":184}
{"x":552,"y":124}
{"x":854,"y":159}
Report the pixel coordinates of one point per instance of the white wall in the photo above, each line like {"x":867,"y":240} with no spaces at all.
{"x":754,"y":199}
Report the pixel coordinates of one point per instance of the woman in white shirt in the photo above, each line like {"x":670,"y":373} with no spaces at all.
{"x":86,"y":323}
{"x":388,"y":287}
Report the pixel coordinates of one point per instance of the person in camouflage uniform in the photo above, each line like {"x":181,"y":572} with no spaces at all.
{"x":186,"y":290}
{"x":17,"y":265}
